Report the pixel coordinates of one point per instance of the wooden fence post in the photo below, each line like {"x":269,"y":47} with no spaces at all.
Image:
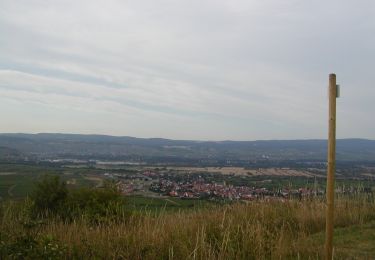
{"x":330,"y":193}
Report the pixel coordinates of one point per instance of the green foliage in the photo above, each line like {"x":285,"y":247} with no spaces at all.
{"x":52,"y":198}
{"x":49,"y":195}
{"x":96,"y":205}
{"x":254,"y":230}
{"x":24,"y":239}
{"x":25,"y":246}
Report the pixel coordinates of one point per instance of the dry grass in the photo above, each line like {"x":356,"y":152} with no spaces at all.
{"x":243,"y":171}
{"x":258,"y":230}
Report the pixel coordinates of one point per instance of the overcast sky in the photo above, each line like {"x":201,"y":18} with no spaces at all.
{"x":187,"y":69}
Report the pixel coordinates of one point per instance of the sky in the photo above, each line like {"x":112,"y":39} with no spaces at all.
{"x":187,"y":69}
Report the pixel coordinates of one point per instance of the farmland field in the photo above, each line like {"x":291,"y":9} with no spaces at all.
{"x":140,"y":203}
{"x":244,"y":171}
{"x":17,"y":181}
{"x":16,"y":185}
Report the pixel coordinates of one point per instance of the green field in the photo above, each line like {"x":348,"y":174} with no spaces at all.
{"x":16,"y":185}
{"x":19,"y":185}
{"x":140,"y":203}
{"x":353,"y":242}
{"x":17,"y":180}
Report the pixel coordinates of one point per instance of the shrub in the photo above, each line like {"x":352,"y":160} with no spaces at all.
{"x":49,"y":195}
{"x":94,"y":204}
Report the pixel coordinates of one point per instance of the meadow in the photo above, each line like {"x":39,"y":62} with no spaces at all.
{"x":162,"y":205}
{"x":93,"y":225}
{"x":255,"y":230}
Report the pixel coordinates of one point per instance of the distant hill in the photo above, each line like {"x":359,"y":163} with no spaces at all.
{"x":47,"y":145}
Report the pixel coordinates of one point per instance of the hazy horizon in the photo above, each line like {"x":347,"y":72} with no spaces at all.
{"x":187,"y":70}
{"x":194,"y":140}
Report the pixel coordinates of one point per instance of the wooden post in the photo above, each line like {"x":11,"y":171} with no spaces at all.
{"x":331,"y":166}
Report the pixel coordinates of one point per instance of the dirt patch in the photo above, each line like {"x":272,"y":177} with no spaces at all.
{"x":96,"y":179}
{"x":243,"y":171}
{"x":7,"y":173}
{"x":173,"y":202}
{"x":71,"y":182}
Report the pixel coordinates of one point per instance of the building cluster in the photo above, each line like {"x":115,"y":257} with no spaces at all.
{"x":195,"y":186}
{"x":199,"y":189}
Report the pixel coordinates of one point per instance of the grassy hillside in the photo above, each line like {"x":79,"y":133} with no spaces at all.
{"x":257,"y":230}
{"x":356,"y":241}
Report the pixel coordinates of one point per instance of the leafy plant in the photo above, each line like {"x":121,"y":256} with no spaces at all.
{"x":94,"y":204}
{"x":49,"y":195}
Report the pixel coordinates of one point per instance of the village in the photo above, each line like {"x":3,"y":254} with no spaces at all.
{"x":195,"y":186}
{"x":201,"y":190}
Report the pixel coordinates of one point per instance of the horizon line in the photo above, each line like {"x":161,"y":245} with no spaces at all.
{"x":191,"y":140}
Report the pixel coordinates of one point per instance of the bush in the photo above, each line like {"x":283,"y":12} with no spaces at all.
{"x":49,"y":195}
{"x":94,"y":204}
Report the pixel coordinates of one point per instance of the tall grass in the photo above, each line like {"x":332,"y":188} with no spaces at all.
{"x":255,"y":230}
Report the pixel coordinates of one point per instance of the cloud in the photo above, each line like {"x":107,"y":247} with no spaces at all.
{"x":187,"y":69}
